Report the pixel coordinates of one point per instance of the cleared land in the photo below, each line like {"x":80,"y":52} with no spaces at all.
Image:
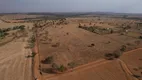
{"x":69,"y":48}
{"x":13,"y":62}
{"x":74,"y":44}
{"x":122,"y":69}
{"x":133,"y":60}
{"x":68,"y":43}
{"x":99,"y":71}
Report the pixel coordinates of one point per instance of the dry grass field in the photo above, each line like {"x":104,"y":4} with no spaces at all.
{"x":72,"y":48}
{"x":67,"y":43}
{"x":74,"y":43}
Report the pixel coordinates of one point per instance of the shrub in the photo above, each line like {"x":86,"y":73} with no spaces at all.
{"x":56,"y":45}
{"x":117,"y":54}
{"x":92,"y":45}
{"x":72,"y":64}
{"x":47,"y":70}
{"x":140,"y":67}
{"x":140,"y":37}
{"x":136,"y":76}
{"x":48,"y":60}
{"x":67,"y":33}
{"x":32,"y":39}
{"x":123,"y":48}
{"x":111,"y":31}
{"x":136,"y":69}
{"x":31,"y":45}
{"x":33,"y":54}
{"x":22,"y":27}
{"x":62,"y":68}
{"x":109,"y":56}
{"x":55,"y":66}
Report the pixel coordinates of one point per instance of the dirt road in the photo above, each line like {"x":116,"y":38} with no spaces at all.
{"x":36,"y":61}
{"x":127,"y":70}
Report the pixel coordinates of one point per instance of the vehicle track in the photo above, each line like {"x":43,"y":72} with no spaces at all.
{"x":13,"y":64}
{"x":82,"y":67}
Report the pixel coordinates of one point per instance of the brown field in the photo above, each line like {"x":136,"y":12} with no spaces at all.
{"x":13,"y":64}
{"x":133,"y":60}
{"x":99,"y":71}
{"x":74,"y":43}
{"x":66,"y":42}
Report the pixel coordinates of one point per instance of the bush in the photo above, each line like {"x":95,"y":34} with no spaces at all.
{"x":57,"y":69}
{"x":111,"y":31}
{"x":47,"y":70}
{"x":92,"y":45}
{"x":62,"y":68}
{"x":117,"y":54}
{"x":55,"y":66}
{"x":136,"y":76}
{"x":123,"y":48}
{"x":71,"y":64}
{"x":56,"y":45}
{"x":80,"y":26}
{"x":31,"y":45}
{"x":109,"y":56}
{"x":48,"y":60}
{"x":22,"y":27}
{"x":33,"y":54}
{"x":32,"y":39}
{"x":140,"y":37}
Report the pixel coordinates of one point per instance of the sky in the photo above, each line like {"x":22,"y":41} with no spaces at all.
{"x":118,"y":6}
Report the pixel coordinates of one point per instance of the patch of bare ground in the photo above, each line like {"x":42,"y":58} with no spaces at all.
{"x":62,"y":46}
{"x":100,"y":71}
{"x":133,"y":61}
{"x":13,"y":62}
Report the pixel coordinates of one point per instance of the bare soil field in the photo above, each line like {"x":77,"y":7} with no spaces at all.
{"x":74,"y":44}
{"x":133,"y":61}
{"x":80,"y":48}
{"x":99,"y":71}
{"x":13,"y":62}
{"x":67,"y":43}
